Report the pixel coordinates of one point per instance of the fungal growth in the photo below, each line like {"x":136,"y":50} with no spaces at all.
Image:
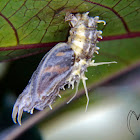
{"x":65,"y":64}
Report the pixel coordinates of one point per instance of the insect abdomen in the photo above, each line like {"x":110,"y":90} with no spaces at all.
{"x":84,"y":35}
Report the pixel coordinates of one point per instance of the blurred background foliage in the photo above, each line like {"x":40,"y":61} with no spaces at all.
{"x":113,"y":89}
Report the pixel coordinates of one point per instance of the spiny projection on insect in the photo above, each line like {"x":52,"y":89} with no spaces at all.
{"x":65,"y":64}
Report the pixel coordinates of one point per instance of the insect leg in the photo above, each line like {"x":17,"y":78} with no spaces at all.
{"x":75,"y":92}
{"x":50,"y":106}
{"x":59,"y":95}
{"x":31,"y":112}
{"x":85,"y":87}
{"x":100,"y":63}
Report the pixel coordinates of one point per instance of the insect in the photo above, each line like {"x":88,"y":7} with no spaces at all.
{"x":65,"y":64}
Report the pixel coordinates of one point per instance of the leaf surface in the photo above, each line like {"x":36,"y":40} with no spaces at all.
{"x":26,"y":22}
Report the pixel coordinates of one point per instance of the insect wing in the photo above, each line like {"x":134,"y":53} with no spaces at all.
{"x":51,"y":75}
{"x":46,"y":81}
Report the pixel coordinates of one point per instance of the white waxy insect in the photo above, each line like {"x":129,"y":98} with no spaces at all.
{"x":65,"y":64}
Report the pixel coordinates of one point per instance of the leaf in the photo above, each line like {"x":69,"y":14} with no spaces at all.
{"x":35,"y":22}
{"x":28,"y":27}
